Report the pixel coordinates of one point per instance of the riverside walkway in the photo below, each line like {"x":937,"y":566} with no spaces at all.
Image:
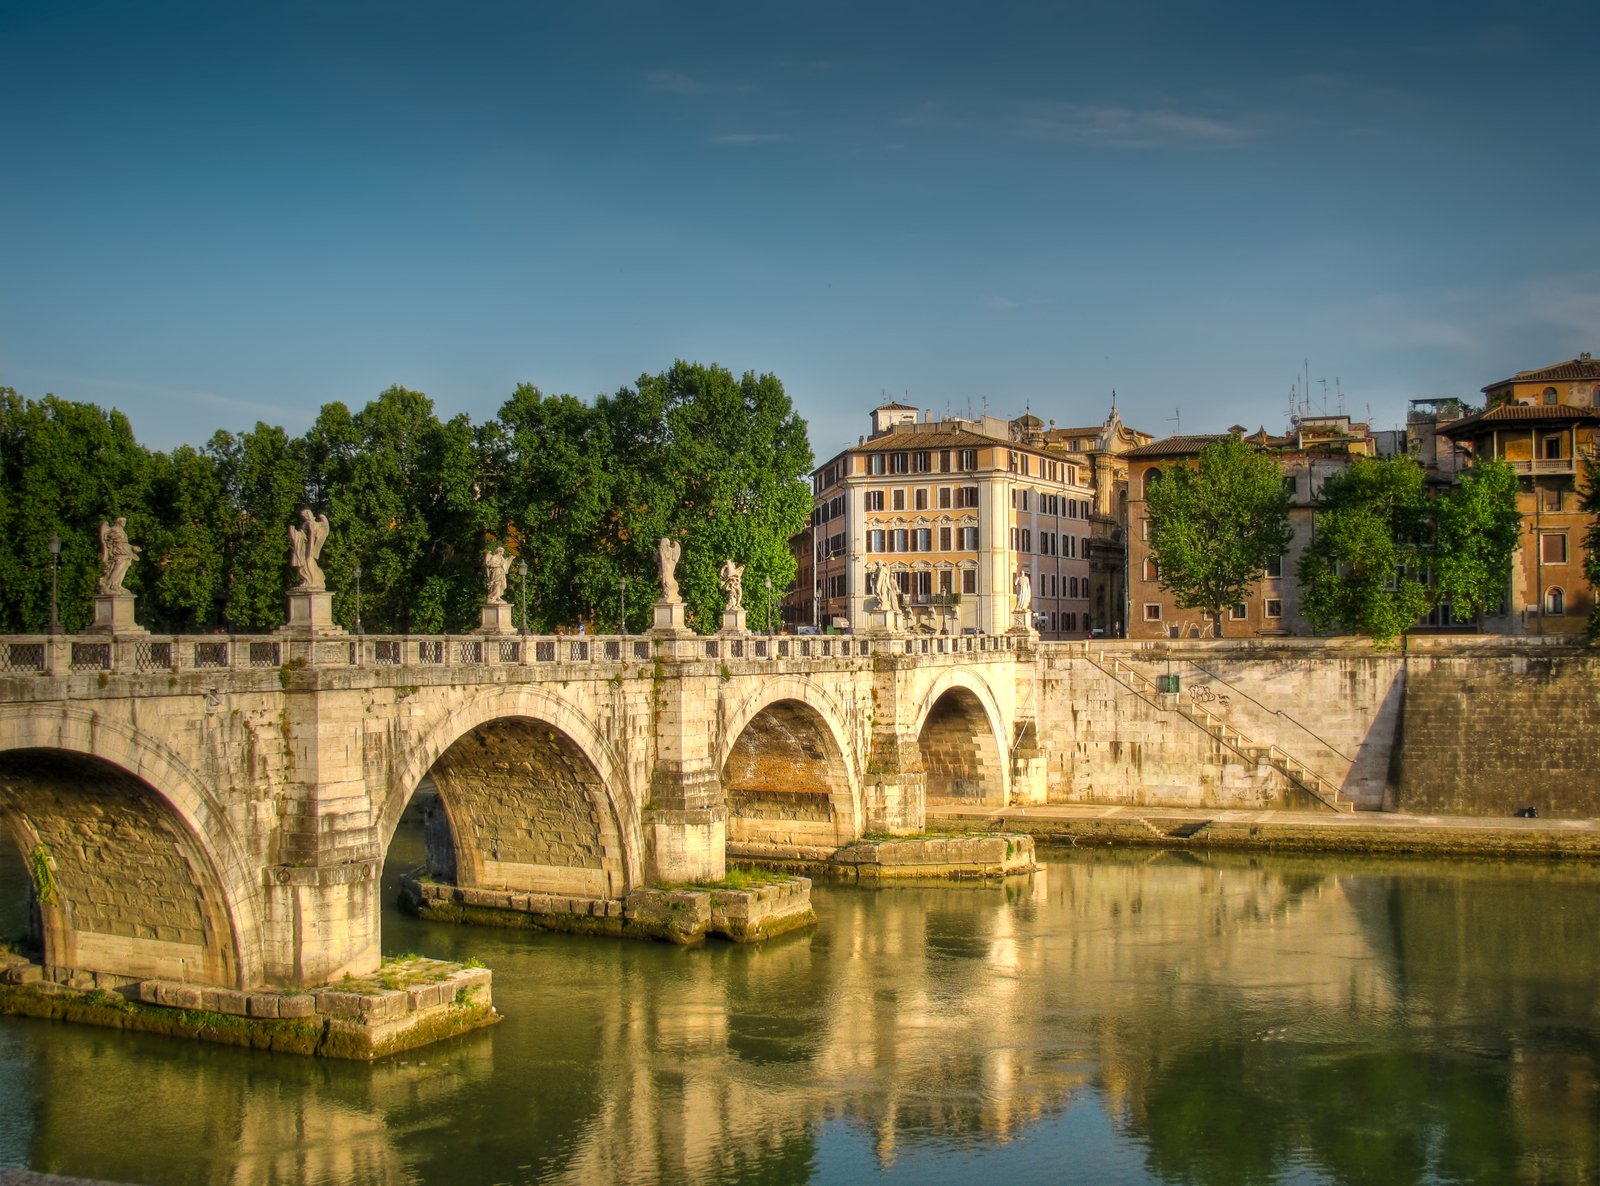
{"x":1285,"y":831}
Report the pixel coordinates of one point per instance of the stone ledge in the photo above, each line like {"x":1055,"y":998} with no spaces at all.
{"x":682,"y":915}
{"x":361,"y":1019}
{"x":944,"y":857}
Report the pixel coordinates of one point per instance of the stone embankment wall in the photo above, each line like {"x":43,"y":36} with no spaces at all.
{"x":1460,"y":725}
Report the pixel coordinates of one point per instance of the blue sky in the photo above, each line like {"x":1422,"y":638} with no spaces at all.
{"x":225,"y":212}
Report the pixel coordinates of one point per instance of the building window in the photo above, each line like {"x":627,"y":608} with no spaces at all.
{"x":920,"y":499}
{"x":922,"y":462}
{"x":1275,"y":566}
{"x":1291,"y":484}
{"x":898,"y":500}
{"x":944,"y":539}
{"x":1152,"y":569}
{"x":969,"y":539}
{"x":1236,"y":611}
{"x":967,"y":459}
{"x":1027,"y":541}
{"x":1555,"y":601}
{"x":945,"y":579}
{"x":875,"y":463}
{"x":1144,"y":528}
{"x":899,"y":463}
{"x":944,"y":498}
{"x":944,"y":461}
{"x":874,"y":500}
{"x":874,"y":541}
{"x":1274,"y":608}
{"x":924,"y":539}
{"x":1550,"y":395}
{"x":1151,"y":477}
{"x":898,"y":539}
{"x":1553,"y":547}
{"x":1551,"y":498}
{"x":967,"y":496}
{"x":1552,"y":448}
{"x":1152,"y":612}
{"x":969,"y":580}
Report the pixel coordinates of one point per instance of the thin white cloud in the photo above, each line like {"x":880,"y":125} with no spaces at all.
{"x":1127,"y":128}
{"x":747,"y":139}
{"x":674,"y":82}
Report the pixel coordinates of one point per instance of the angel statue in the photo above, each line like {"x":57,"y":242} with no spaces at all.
{"x":305,"y":545}
{"x":667,"y":550}
{"x":1024,"y":586}
{"x":733,"y":584}
{"x":496,"y":570}
{"x":116,"y":555}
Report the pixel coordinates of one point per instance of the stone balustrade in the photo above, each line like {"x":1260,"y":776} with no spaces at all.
{"x":61,"y":654}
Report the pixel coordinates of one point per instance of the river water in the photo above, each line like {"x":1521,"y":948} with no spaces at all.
{"x":1117,"y":1017}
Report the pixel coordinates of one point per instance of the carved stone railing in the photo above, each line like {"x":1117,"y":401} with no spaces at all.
{"x":61,"y":654}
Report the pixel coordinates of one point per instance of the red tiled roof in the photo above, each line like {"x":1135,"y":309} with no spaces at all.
{"x":893,"y":407}
{"x":1181,"y":446}
{"x":1519,"y":414}
{"x":1574,"y":368}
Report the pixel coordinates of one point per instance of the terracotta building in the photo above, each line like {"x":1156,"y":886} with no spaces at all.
{"x":1103,"y":450}
{"x":1314,"y":448}
{"x":1542,"y":422}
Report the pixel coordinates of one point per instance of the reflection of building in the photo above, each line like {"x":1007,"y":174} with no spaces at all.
{"x":1103,"y":451}
{"x":954,"y":509}
{"x":1543,"y":422}
{"x":1314,"y":448}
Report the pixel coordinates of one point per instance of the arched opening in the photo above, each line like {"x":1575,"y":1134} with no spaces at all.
{"x":117,"y":886}
{"x":786,"y":782}
{"x":964,"y":764}
{"x":515,"y":804}
{"x":1151,"y":477}
{"x":1555,"y":601}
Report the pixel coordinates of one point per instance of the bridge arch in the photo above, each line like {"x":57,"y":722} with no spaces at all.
{"x":149,"y":874}
{"x":961,"y":732}
{"x":785,"y":758}
{"x":517,"y":768}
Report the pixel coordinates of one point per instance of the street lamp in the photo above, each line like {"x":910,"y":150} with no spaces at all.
{"x":358,"y":596}
{"x":816,"y":607}
{"x":54,"y":545}
{"x":522,"y":581}
{"x":768,"y":583}
{"x":624,"y":600}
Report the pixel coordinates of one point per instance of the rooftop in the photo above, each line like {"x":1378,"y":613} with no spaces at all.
{"x":1582,"y":367}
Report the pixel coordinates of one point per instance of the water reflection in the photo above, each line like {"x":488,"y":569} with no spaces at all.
{"x":1114,"y":1018}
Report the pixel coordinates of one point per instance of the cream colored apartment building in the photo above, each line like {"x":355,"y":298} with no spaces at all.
{"x":954,"y":509}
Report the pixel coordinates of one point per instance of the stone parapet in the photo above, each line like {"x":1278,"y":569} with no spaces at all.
{"x":948,"y":858}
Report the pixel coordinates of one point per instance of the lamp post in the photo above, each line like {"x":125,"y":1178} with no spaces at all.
{"x":54,"y":545}
{"x":768,"y":584}
{"x":623,"y":598}
{"x":522,"y":582}
{"x":816,"y":606}
{"x":357,"y":573}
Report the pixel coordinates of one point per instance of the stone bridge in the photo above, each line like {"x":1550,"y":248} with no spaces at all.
{"x":216,"y":810}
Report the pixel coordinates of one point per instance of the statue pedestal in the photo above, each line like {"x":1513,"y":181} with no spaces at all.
{"x":496,"y":618}
{"x":669,"y":619}
{"x":883,"y":621}
{"x":113,"y":614}
{"x":311,"y":612}
{"x":733,"y":622}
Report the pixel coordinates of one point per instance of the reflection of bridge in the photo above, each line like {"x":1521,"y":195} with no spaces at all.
{"x":216,"y":809}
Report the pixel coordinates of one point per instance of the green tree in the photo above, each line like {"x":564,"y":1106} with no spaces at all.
{"x":1363,"y":570}
{"x":1215,"y":528}
{"x":401,"y":493}
{"x":184,"y":553}
{"x":262,"y":474}
{"x":1591,"y":538}
{"x":64,"y":467}
{"x":1385,"y":553}
{"x":720,"y":463}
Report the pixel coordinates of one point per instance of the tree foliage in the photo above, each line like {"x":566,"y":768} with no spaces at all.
{"x":1590,"y":502}
{"x":1385,"y":552}
{"x":580,"y":491}
{"x":1216,"y":527}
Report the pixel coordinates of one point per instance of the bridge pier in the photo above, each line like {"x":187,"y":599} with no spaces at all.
{"x":685,"y":820}
{"x":895,"y":791}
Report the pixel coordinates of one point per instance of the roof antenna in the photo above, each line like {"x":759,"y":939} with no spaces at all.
{"x":1176,"y":418}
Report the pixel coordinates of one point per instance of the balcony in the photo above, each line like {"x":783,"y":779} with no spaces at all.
{"x":1545,"y":465}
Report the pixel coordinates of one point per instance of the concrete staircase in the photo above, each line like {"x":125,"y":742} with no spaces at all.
{"x":1326,"y":791}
